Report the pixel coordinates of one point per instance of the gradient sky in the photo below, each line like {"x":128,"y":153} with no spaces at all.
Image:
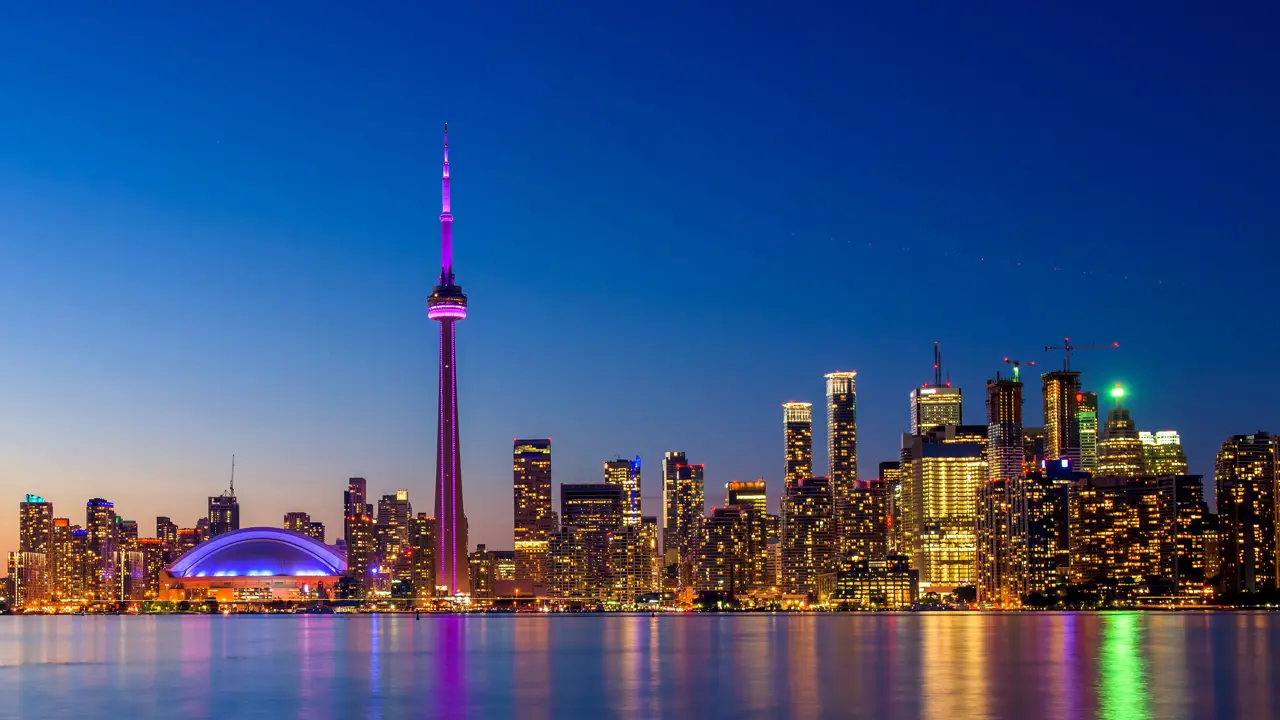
{"x":218,"y":227}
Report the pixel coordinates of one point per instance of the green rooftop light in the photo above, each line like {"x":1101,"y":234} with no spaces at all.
{"x":1117,"y":392}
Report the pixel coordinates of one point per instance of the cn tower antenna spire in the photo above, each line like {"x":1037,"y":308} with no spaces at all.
{"x":446,"y":219}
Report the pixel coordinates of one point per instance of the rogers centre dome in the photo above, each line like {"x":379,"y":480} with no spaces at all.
{"x":254,"y":564}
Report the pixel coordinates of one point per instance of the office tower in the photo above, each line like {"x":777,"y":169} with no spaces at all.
{"x":1006,"y":454}
{"x":842,"y":434}
{"x":315,"y":530}
{"x":480,"y":565}
{"x":808,"y":533}
{"x":1245,"y":480}
{"x":35,"y":524}
{"x":224,"y":514}
{"x":1119,"y":449}
{"x":126,"y":533}
{"x":751,"y":496}
{"x":722,"y":553}
{"x":566,"y":562}
{"x":29,"y":578}
{"x":531,"y":470}
{"x":1087,"y":427}
{"x":391,"y":533}
{"x":747,"y":493}
{"x":797,"y":431}
{"x":935,"y":405}
{"x":447,"y":305}
{"x":1162,"y":453}
{"x":166,"y":530}
{"x":594,"y":510}
{"x":422,"y":544}
{"x":890,"y":474}
{"x":886,"y":584}
{"x":359,"y":533}
{"x":864,"y":528}
{"x":684,"y":499}
{"x":296,"y":521}
{"x":1183,"y":521}
{"x":1061,"y":388}
{"x":942,"y":472}
{"x":100,"y":549}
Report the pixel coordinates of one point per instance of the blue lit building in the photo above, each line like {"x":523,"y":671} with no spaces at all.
{"x":254,"y":564}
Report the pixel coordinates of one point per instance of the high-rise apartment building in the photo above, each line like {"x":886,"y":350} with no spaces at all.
{"x":797,"y":430}
{"x":842,"y":437}
{"x":1184,"y":518}
{"x":29,"y":578}
{"x":1115,"y":529}
{"x":391,"y":533}
{"x":1087,"y":428}
{"x":296,"y":521}
{"x":1016,"y":539}
{"x":531,"y":480}
{"x":632,"y":553}
{"x":808,"y":534}
{"x":1061,"y":392}
{"x":864,"y":525}
{"x":359,"y":534}
{"x":722,"y":555}
{"x":751,"y":496}
{"x":422,"y":543}
{"x":567,"y":562}
{"x":166,"y":530}
{"x":1162,"y":453}
{"x":1005,"y":452}
{"x":1120,"y":451}
{"x":626,"y":475}
{"x":64,"y":565}
{"x":126,"y":534}
{"x":35,"y":524}
{"x":1245,"y":478}
{"x":684,"y":497}
{"x":100,"y":549}
{"x":595,"y":511}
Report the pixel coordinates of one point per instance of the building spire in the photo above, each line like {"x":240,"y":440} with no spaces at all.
{"x":446,"y":219}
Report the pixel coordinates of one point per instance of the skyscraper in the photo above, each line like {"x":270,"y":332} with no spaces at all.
{"x":224,"y":514}
{"x":391,"y":532}
{"x":531,"y":479}
{"x":1061,"y":388}
{"x":1245,"y":477}
{"x":100,"y":549}
{"x":358,"y":531}
{"x":1005,"y":452}
{"x":422,"y":544}
{"x":808,"y":534}
{"x":595,"y":511}
{"x":752,"y":498}
{"x":722,"y":553}
{"x":946,"y":468}
{"x":842,"y":432}
{"x":797,"y":432}
{"x":1163,"y":453}
{"x":166,"y":530}
{"x":1087,"y":426}
{"x":626,"y":475}
{"x":935,"y":405}
{"x":447,"y":305}
{"x":35,"y":524}
{"x":1120,"y":449}
{"x":683,"y":499}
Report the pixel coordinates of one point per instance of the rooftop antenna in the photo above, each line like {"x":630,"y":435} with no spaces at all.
{"x":937,"y":365}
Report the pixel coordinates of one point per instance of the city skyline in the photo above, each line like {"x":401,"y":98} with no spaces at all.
{"x":186,"y":280}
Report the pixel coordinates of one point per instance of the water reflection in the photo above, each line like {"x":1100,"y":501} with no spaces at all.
{"x":1123,"y":672}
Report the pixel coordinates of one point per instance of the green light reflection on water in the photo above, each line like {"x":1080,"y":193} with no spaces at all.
{"x":1122,"y":669}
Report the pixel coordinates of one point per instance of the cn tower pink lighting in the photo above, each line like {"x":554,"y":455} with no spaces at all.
{"x":447,"y":305}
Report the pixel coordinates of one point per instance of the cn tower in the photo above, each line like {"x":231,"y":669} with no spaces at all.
{"x":447,"y":305}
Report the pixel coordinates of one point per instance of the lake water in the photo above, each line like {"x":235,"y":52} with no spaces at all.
{"x":950,"y":666}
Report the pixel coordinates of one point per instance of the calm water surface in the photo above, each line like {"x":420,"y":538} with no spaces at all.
{"x":949,"y":666}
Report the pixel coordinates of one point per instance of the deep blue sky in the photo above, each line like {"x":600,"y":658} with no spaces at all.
{"x":218,"y":225}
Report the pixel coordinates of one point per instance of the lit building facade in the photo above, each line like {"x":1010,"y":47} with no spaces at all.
{"x":595,"y":511}
{"x":933,"y":406}
{"x":808,"y":534}
{"x":684,"y":497}
{"x":1245,"y":480}
{"x":632,"y":551}
{"x":1005,"y":452}
{"x":1120,"y":452}
{"x":752,"y":497}
{"x":864,"y":527}
{"x":947,"y":466}
{"x":100,"y":550}
{"x":1017,"y":542}
{"x":567,"y":563}
{"x":29,"y":577}
{"x":1162,"y":453}
{"x":224,"y":514}
{"x":422,"y":543}
{"x":1116,"y":534}
{"x":1061,"y":390}
{"x":626,"y":475}
{"x":166,"y":530}
{"x":531,"y":480}
{"x":722,"y":555}
{"x":1087,"y":427}
{"x":391,"y":534}
{"x":481,"y":563}
{"x":797,"y":430}
{"x":358,"y":530}
{"x":66,"y":560}
{"x":254,"y":565}
{"x":1184,"y":520}
{"x":296,"y":521}
{"x":35,"y":524}
{"x":885,"y":584}
{"x":842,"y":441}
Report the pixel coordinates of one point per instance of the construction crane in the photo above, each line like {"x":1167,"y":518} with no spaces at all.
{"x":1067,"y":347}
{"x":1016,"y":364}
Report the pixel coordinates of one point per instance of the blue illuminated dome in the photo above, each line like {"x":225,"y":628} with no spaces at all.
{"x":259,"y":552}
